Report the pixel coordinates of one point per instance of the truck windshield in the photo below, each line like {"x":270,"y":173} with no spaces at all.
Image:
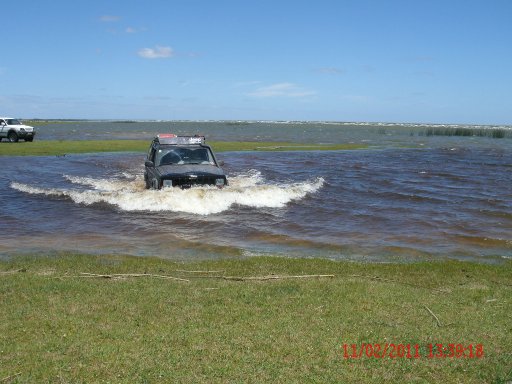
{"x":13,"y":122}
{"x":180,"y":155}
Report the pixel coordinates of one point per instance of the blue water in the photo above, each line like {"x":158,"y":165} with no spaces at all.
{"x":409,"y":197}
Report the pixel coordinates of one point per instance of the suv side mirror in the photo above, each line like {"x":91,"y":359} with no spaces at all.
{"x":149,"y":163}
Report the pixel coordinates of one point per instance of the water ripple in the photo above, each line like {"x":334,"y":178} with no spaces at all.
{"x":371,"y":205}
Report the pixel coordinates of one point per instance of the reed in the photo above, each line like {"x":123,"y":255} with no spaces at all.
{"x":495,"y":133}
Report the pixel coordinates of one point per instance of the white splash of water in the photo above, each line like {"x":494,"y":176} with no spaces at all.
{"x":248,"y":190}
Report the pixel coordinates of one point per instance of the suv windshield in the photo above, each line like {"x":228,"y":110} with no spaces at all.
{"x":13,"y":122}
{"x":180,"y":155}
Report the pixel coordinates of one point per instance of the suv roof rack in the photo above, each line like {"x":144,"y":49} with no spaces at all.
{"x":171,"y":138}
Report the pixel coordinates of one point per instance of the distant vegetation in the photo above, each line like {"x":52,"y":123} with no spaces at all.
{"x":492,"y":132}
{"x":495,"y":133}
{"x":52,"y":121}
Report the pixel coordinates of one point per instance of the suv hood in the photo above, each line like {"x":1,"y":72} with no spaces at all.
{"x":22,"y":126}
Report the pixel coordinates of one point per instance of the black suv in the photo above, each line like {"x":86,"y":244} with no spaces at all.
{"x":181,"y":161}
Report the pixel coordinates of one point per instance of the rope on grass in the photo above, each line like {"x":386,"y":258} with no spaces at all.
{"x":125,"y":275}
{"x":12,"y":273}
{"x":10,"y":378}
{"x":231,"y":278}
{"x":271,"y":277}
{"x":435,"y":317}
{"x":187,"y":271}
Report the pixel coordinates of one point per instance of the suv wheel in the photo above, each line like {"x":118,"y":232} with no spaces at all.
{"x":12,"y":137}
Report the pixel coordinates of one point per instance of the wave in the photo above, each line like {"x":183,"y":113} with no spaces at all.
{"x":249,"y":190}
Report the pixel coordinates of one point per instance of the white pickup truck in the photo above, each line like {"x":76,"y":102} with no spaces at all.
{"x":14,"y":129}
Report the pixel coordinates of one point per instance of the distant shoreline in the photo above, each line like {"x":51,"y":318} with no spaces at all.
{"x":296,"y":122}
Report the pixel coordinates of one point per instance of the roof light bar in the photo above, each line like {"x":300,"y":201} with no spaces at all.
{"x":171,"y":138}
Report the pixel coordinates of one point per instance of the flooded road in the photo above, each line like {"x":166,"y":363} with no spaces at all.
{"x":380,"y":205}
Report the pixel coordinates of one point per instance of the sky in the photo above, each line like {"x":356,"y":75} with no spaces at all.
{"x":409,"y":61}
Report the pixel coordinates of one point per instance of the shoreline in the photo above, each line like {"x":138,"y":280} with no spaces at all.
{"x":57,"y":148}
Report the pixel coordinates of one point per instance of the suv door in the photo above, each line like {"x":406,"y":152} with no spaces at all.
{"x":149,"y":172}
{"x":3,"y":128}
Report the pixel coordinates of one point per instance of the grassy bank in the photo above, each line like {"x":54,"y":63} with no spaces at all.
{"x":62,"y":147}
{"x":59,"y":324}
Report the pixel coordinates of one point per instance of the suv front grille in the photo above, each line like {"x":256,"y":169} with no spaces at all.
{"x":187,"y":181}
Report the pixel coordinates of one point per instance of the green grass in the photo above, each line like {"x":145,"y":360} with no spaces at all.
{"x":62,"y":147}
{"x":58,"y":326}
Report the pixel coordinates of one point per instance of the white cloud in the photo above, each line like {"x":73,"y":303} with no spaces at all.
{"x":156,"y":53}
{"x":134,"y":30}
{"x":331,"y":71}
{"x":109,"y":18}
{"x":281,"y":90}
